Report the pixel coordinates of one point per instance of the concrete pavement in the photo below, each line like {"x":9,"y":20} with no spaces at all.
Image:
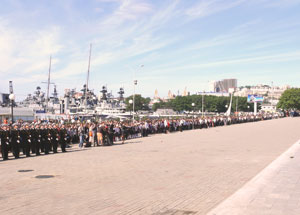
{"x":180,"y":173}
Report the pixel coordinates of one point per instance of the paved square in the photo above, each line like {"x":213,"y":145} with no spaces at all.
{"x":180,"y":173}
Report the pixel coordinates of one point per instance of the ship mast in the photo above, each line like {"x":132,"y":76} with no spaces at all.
{"x":88,"y":76}
{"x":48,"y":87}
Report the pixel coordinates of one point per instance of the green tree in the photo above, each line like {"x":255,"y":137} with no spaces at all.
{"x":243,"y":104}
{"x":210,"y":104}
{"x":161,"y":104}
{"x":140,"y":103}
{"x":290,"y":99}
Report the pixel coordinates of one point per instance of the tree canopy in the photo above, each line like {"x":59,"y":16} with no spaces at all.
{"x":210,"y":103}
{"x":141,"y":103}
{"x":290,"y":99}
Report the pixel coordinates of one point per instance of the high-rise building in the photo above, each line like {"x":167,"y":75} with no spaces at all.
{"x":224,"y":85}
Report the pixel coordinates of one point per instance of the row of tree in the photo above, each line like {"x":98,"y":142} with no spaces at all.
{"x":210,"y":103}
{"x":184,"y":103}
{"x":290,"y":99}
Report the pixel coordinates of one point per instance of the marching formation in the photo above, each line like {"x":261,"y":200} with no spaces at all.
{"x":45,"y":137}
{"x":32,"y":139}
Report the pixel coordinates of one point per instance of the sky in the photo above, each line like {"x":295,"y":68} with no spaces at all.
{"x":165,"y":45}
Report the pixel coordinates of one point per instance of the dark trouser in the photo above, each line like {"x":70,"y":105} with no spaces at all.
{"x":16,"y":150}
{"x":47,"y":146}
{"x":51,"y":145}
{"x":23,"y":147}
{"x":27,"y":148}
{"x":42,"y":145}
{"x":111,"y":139}
{"x":4,"y":151}
{"x":63,"y":146}
{"x":37,"y":147}
{"x":32,"y":146}
{"x":54,"y":145}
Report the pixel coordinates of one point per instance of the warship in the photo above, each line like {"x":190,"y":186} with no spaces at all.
{"x":73,"y":104}
{"x":86,"y":103}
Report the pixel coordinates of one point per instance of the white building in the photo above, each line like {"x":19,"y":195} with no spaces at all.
{"x":271,"y":94}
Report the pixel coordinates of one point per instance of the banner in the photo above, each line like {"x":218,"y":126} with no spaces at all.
{"x":255,"y":98}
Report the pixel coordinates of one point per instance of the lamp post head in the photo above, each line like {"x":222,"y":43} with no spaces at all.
{"x":135,"y":82}
{"x":12,"y":97}
{"x":193,"y":104}
{"x":130,"y":101}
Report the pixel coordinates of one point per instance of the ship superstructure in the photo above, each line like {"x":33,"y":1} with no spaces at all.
{"x":38,"y":101}
{"x":86,"y":102}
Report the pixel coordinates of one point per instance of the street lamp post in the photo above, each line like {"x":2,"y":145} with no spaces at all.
{"x":12,"y":98}
{"x":134,"y":83}
{"x":193,"y":105}
{"x":203,"y":104}
{"x":130,"y":102}
{"x":236,"y":105}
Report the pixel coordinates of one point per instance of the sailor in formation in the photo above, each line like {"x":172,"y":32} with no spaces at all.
{"x":30,"y":139}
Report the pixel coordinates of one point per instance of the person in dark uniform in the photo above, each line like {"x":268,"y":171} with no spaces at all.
{"x":15,"y":140}
{"x":62,"y":138}
{"x":24,"y":134}
{"x":36,"y":137}
{"x":4,"y":137}
{"x":43,"y":137}
{"x":22,"y":143}
{"x":47,"y":139}
{"x":54,"y":138}
{"x":32,"y":140}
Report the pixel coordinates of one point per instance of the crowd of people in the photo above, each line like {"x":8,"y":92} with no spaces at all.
{"x":46,"y":137}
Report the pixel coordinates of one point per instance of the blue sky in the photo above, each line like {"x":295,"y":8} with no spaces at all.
{"x":181,"y":43}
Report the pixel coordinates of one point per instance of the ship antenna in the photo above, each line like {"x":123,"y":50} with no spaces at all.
{"x":88,"y":75}
{"x":48,"y":87}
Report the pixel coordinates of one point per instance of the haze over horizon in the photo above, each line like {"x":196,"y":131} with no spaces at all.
{"x":180,"y":43}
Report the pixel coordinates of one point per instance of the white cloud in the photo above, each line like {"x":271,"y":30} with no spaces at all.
{"x":127,"y":10}
{"x":115,"y":40}
{"x":278,"y":3}
{"x":26,"y":51}
{"x":24,"y":54}
{"x":209,"y":7}
{"x":276,"y":58}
